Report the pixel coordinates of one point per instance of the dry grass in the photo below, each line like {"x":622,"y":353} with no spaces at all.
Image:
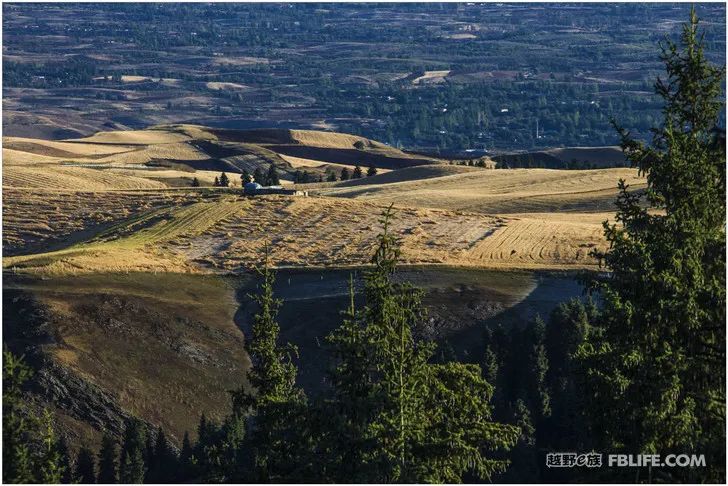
{"x":66,"y":178}
{"x":503,"y":191}
{"x":164,"y":346}
{"x":316,"y":138}
{"x":520,"y":218}
{"x":65,"y":149}
{"x":37,"y":219}
{"x":228,"y":233}
{"x":136,"y":137}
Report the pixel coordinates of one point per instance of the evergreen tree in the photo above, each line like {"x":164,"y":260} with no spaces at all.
{"x":85,"y":470}
{"x":244,"y":177}
{"x":205,"y":450}
{"x":567,"y":330}
{"x":216,"y":183}
{"x":537,"y":368}
{"x":224,"y":181}
{"x":371,"y":171}
{"x":18,"y":427}
{"x":276,"y":403}
{"x":403,"y":418}
{"x":272,"y":176}
{"x":259,"y":176}
{"x":131,"y":461}
{"x":330,"y":176}
{"x":195,"y":182}
{"x":344,"y":174}
{"x":490,"y":366}
{"x":186,"y":458}
{"x":32,"y":452}
{"x":656,"y":358}
{"x":68,"y":474}
{"x":163,"y":461}
{"x":51,"y":463}
{"x":107,"y":461}
{"x":525,"y":465}
{"x":357,"y":174}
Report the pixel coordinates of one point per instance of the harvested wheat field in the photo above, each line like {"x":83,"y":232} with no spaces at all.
{"x":501,"y":191}
{"x":73,"y":179}
{"x":113,"y":202}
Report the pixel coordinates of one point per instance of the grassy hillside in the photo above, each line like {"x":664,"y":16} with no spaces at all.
{"x":71,"y":205}
{"x":131,"y":291}
{"x":499,"y":191}
{"x":162,"y":347}
{"x":172,"y":155}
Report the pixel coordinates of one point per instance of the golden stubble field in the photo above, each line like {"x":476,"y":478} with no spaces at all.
{"x":94,"y":205}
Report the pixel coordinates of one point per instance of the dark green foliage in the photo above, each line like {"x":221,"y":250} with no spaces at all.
{"x":195,"y":182}
{"x":162,"y":460}
{"x":568,"y":329}
{"x":401,"y":418}
{"x":344,"y":174}
{"x":656,"y":361}
{"x":272,"y":176}
{"x":224,"y":181}
{"x":244,"y":177}
{"x":330,"y":176}
{"x":538,"y":365}
{"x":18,"y":461}
{"x":525,"y":465}
{"x":357,"y":174}
{"x":108,"y":461}
{"x":68,"y":474}
{"x":32,"y":453}
{"x":85,"y":471}
{"x":186,"y":459}
{"x":216,"y":183}
{"x":371,"y":171}
{"x":259,"y":176}
{"x":301,"y":177}
{"x":131,"y":461}
{"x":276,"y":405}
{"x":50,"y":460}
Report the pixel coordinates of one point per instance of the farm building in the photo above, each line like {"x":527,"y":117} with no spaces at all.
{"x":255,"y":189}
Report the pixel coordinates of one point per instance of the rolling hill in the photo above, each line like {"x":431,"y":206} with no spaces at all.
{"x":113,"y":262}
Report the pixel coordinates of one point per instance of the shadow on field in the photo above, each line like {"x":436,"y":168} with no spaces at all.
{"x":460,"y":303}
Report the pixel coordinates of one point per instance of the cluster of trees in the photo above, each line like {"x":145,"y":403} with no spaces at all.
{"x":472,"y":163}
{"x":535,"y":371}
{"x":34,"y":453}
{"x":222,"y":181}
{"x":303,"y":176}
{"x":645,"y":372}
{"x":262,"y":177}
